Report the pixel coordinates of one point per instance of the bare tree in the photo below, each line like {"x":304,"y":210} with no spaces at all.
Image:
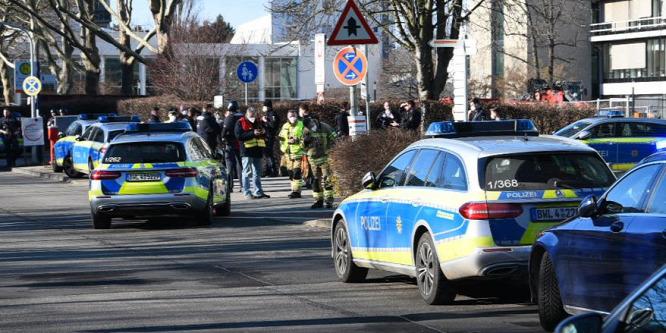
{"x":398,"y":76}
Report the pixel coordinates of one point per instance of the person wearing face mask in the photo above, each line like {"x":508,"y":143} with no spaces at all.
{"x":476,"y":112}
{"x":386,"y":119}
{"x":317,"y":140}
{"x":251,"y":136}
{"x":291,"y":136}
{"x":271,"y":122}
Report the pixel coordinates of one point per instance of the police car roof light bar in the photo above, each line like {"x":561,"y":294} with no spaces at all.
{"x":610,"y":113}
{"x":119,"y":119}
{"x":87,"y":116}
{"x":181,"y":126}
{"x":449,"y":129}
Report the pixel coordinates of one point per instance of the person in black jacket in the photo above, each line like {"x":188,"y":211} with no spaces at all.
{"x":231,"y":150}
{"x":155,"y":116}
{"x":412,"y":119}
{"x":208,"y":128}
{"x":272,"y":124}
{"x":387,"y":118}
{"x":250,"y":134}
{"x":341,"y":122}
{"x":10,"y":130}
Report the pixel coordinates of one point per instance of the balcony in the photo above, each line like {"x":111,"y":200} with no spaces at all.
{"x":629,"y":26}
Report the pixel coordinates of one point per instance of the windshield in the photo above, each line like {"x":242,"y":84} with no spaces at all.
{"x":571,"y":129}
{"x":562,"y":170}
{"x":145,"y":152}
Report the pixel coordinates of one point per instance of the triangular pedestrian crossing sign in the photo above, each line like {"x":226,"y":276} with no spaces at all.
{"x":352,"y":28}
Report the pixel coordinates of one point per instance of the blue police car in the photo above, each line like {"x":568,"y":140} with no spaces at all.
{"x":465,"y":205}
{"x":592,"y":261}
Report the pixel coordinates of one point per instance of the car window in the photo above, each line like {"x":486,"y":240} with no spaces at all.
{"x":98,"y":136}
{"x":572,"y":129}
{"x":193,"y":151}
{"x":114,"y":134}
{"x":436,"y":176}
{"x":74,"y":129}
{"x":647,"y":313}
{"x":203,"y":148}
{"x":145,"y":152}
{"x":605,"y":130}
{"x":88,"y":133}
{"x":657,"y":204}
{"x":638,"y":129}
{"x":558,"y":170}
{"x":419,"y":171}
{"x":627,"y":194}
{"x":394,"y":174}
{"x":454,"y":174}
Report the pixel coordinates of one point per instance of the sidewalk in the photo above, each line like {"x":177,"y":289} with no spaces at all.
{"x":278,"y":207}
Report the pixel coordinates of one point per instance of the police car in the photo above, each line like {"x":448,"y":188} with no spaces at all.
{"x":622,"y":142}
{"x":158,"y":169}
{"x":467,"y":204}
{"x":63,"y":147}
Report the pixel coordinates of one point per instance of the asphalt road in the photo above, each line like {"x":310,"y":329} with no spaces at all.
{"x":260,"y":270}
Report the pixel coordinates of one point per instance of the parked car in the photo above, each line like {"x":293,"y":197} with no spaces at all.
{"x":592,"y":261}
{"x":642,"y":311}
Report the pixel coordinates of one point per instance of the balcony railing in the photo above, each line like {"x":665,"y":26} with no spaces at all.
{"x":615,"y":27}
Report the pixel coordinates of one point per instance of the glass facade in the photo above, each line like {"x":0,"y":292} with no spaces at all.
{"x":280,"y":81}
{"x":653,"y":68}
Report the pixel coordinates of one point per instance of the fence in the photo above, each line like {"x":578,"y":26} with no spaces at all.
{"x":640,"y":107}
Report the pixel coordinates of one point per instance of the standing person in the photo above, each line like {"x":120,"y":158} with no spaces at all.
{"x":208,"y":128}
{"x":173,"y":116}
{"x":412,"y":118}
{"x":10,"y":130}
{"x":63,"y":112}
{"x":305,"y":116}
{"x":155,"y":116}
{"x":341,"y":122}
{"x":271,"y":122}
{"x":231,"y":149}
{"x":51,"y":122}
{"x":250,"y":133}
{"x":386,"y":118}
{"x":191,"y":118}
{"x":317,"y":140}
{"x":494,"y":114}
{"x":291,"y":136}
{"x":476,"y":112}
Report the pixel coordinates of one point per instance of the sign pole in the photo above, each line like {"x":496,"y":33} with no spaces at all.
{"x":367,"y":93}
{"x":246,"y":94}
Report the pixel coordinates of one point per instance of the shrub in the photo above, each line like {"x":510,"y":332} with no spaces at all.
{"x":547,"y":117}
{"x":351,"y":160}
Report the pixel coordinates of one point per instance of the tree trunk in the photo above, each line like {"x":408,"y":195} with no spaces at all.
{"x":424,"y":71}
{"x":126,"y":61}
{"x":66,"y":73}
{"x":6,"y":85}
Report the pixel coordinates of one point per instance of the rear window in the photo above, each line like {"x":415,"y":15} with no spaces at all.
{"x":572,"y":129}
{"x":114,"y":134}
{"x":145,"y":152}
{"x":546,"y":172}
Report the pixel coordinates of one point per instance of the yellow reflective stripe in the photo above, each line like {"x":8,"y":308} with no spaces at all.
{"x":532,"y":231}
{"x":394,"y":257}
{"x":622,"y":166}
{"x":622,"y":140}
{"x":552,"y":194}
{"x":448,"y":250}
{"x":198,"y":191}
{"x":143,"y":188}
{"x":94,"y":192}
{"x":255,"y":142}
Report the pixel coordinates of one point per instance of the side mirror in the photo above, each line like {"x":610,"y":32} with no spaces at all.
{"x":61,"y":135}
{"x":588,"y":207}
{"x":77,"y":138}
{"x":584,"y":135}
{"x":587,"y":322}
{"x":369,"y":181}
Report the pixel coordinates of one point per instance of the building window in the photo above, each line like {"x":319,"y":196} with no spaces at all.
{"x":636,"y":61}
{"x":280,"y":81}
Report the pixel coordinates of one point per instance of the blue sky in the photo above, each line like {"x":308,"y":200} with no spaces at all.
{"x":235,"y":12}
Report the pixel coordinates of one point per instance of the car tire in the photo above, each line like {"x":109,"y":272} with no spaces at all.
{"x":205,"y":217}
{"x":551,"y":310}
{"x":55,"y":167}
{"x":101,"y":222}
{"x":225,"y":208}
{"x":343,"y":260}
{"x":68,"y":167}
{"x":91,"y":166}
{"x":433,"y":285}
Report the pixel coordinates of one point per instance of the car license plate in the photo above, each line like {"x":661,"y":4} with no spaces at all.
{"x":143,"y":177}
{"x":553,"y":214}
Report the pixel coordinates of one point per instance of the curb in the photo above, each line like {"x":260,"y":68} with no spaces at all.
{"x":47,"y":175}
{"x":318,"y":223}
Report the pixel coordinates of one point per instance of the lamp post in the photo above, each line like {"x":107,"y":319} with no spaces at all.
{"x":33,"y":112}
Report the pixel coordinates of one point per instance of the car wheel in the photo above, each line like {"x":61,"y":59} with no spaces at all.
{"x":345,"y":267}
{"x":55,"y":167}
{"x":551,"y":311}
{"x":101,"y":222}
{"x":68,"y":167}
{"x":433,"y":285}
{"x":91,"y":166}
{"x":225,"y":208}
{"x":205,"y":217}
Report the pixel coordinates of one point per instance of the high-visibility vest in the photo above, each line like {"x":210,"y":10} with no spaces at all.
{"x":257,"y":141}
{"x":294,"y":150}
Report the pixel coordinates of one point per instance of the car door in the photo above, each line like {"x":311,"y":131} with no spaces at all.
{"x":594,"y":249}
{"x":371,"y":212}
{"x":635,"y":142}
{"x":602,"y":139}
{"x":81,"y":149}
{"x":96,"y":144}
{"x":405,"y":203}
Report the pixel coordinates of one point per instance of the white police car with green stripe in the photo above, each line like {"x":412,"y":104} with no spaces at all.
{"x":466,"y":204}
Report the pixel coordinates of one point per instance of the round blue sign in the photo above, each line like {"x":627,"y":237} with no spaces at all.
{"x":247,"y":71}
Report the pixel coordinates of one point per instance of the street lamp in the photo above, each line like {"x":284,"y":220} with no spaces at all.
{"x":33,"y":112}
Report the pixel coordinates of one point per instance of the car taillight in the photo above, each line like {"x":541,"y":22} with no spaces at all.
{"x":484,"y":211}
{"x":102,"y":151}
{"x":104,"y":175}
{"x":182,"y":173}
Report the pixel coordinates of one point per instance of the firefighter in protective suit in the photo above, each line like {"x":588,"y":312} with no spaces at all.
{"x":291,"y":136}
{"x":317,"y":140}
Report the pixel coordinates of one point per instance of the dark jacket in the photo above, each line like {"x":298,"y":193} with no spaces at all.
{"x":12,"y":125}
{"x":383,"y":121}
{"x":154,"y":119}
{"x":342,"y":125}
{"x":412,"y":120}
{"x":228,"y":130}
{"x":245,"y":135}
{"x":272,"y":124}
{"x":208,"y":129}
{"x":478,"y":115}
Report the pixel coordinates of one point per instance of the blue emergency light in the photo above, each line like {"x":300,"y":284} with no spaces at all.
{"x":450,"y":129}
{"x":119,"y":119}
{"x":179,"y":126}
{"x":610,"y":113}
{"x":86,"y":116}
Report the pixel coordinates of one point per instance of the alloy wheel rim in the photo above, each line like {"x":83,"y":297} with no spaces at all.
{"x":425,"y":269}
{"x":341,"y":255}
